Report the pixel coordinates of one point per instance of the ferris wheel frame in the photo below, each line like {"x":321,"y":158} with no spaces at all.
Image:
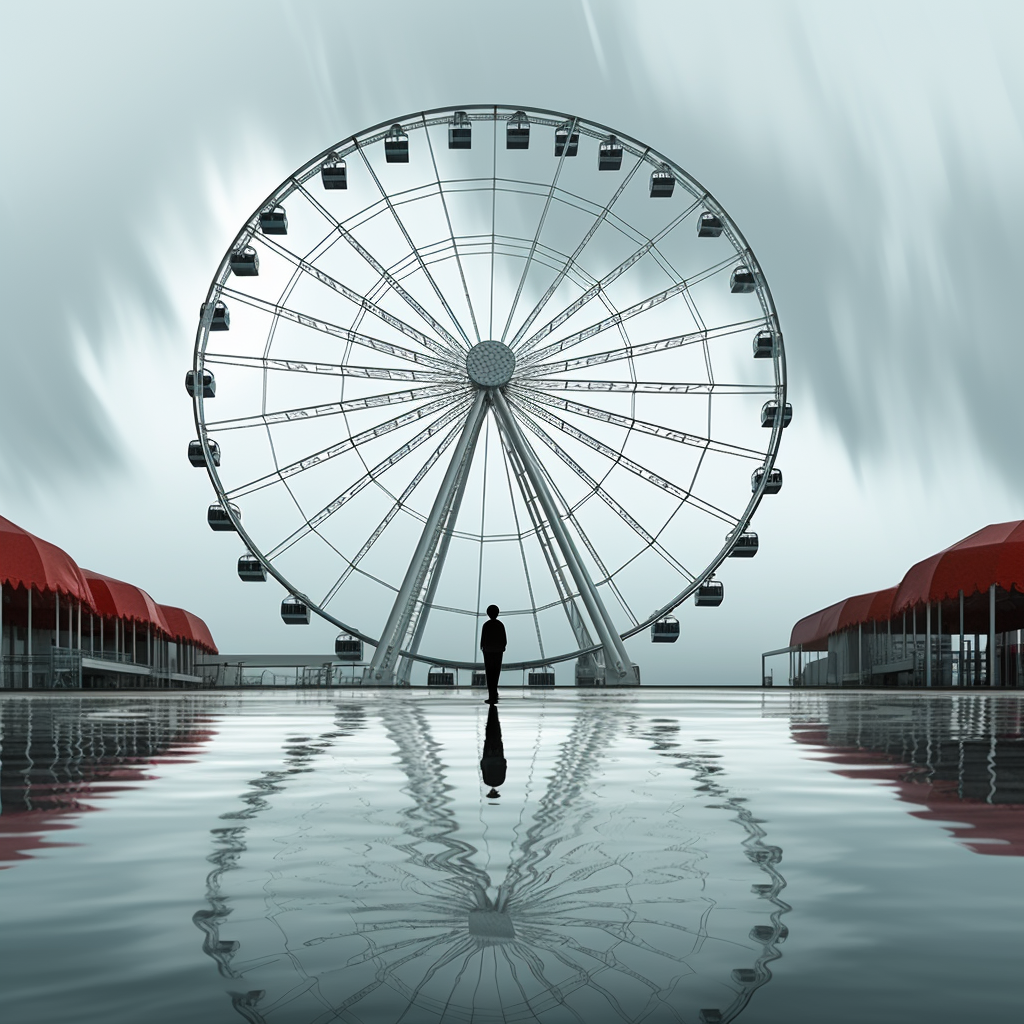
{"x":492,"y":397}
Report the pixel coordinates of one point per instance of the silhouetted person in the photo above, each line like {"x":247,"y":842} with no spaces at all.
{"x":493,"y":764}
{"x":492,"y":644}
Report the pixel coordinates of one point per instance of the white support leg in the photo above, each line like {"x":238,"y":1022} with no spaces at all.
{"x":618,"y":667}
{"x":405,"y":666}
{"x":382,"y":669}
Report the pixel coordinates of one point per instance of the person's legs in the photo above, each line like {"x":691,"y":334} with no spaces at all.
{"x":492,"y":666}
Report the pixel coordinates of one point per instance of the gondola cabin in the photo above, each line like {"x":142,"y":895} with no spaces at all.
{"x":219,"y":519}
{"x":663,"y":183}
{"x":609,"y":154}
{"x":205,"y":379}
{"x":517,"y":131}
{"x":665,"y":630}
{"x":709,"y":594}
{"x":245,"y":262}
{"x":709,"y":225}
{"x":541,"y":678}
{"x":742,"y":281}
{"x":220,"y":319}
{"x":774,"y":484}
{"x":764,"y":344}
{"x":460,"y":131}
{"x":745,"y":546}
{"x":348,"y":648}
{"x":396,"y":145}
{"x":334,"y":174}
{"x":196,"y":456}
{"x":250,"y":569}
{"x":438,"y":675}
{"x":274,"y":221}
{"x":294,"y":612}
{"x":770,"y":413}
{"x":567,"y":140}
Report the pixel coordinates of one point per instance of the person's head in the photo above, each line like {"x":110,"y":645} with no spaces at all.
{"x":492,"y":611}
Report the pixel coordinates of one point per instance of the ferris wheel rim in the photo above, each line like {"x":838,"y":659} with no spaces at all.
{"x":494,"y":112}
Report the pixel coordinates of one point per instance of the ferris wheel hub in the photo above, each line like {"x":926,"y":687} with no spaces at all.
{"x":490,"y":364}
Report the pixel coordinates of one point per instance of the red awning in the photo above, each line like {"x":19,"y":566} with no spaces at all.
{"x":28,"y":561}
{"x":188,"y":628}
{"x":812,"y":631}
{"x":994,"y":554}
{"x":115,"y":599}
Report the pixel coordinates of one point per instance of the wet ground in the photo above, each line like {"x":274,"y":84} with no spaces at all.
{"x":654,"y":855}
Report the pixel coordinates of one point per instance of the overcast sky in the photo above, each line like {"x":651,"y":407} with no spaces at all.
{"x":872,"y":153}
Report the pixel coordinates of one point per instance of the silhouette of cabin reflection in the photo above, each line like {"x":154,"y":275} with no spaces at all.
{"x":417,"y":924}
{"x":60,"y":757}
{"x":958,"y":756}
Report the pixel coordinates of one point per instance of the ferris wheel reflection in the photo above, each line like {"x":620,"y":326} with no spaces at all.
{"x":605,"y":908}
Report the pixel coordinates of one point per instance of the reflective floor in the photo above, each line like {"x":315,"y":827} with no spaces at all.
{"x":415,"y":856}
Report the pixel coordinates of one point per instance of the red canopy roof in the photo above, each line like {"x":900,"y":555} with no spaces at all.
{"x":188,"y":628}
{"x":118,"y":600}
{"x":28,"y":561}
{"x":812,"y":631}
{"x":995,"y":554}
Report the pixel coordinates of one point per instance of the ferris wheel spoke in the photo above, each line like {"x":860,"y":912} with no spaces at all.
{"x":619,"y":459}
{"x":616,"y":658}
{"x":371,"y":476}
{"x":649,"y":387}
{"x":599,"y":286}
{"x":539,"y":355}
{"x":606,"y":576}
{"x":399,"y":504}
{"x":571,"y":261}
{"x":648,"y":538}
{"x":414,"y":250}
{"x":643,"y":426}
{"x":442,"y":351}
{"x":309,"y":412}
{"x":536,"y":237}
{"x":387,"y":348}
{"x":327,"y":369}
{"x":629,"y":352}
{"x":315,"y":459}
{"x":386,"y":274}
{"x":451,"y":235}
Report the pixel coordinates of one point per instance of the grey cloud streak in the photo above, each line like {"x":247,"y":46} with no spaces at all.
{"x":785,"y":111}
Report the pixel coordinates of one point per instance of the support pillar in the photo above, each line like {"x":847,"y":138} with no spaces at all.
{"x":382,"y":667}
{"x":992,"y":635}
{"x":928,"y":645}
{"x":618,"y":666}
{"x":960,"y":671}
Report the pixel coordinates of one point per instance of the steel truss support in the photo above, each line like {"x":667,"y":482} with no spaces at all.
{"x":618,"y":668}
{"x":382,"y":669}
{"x":423,"y":612}
{"x":588,"y":665}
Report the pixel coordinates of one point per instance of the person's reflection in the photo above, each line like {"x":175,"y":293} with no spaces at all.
{"x":493,"y":764}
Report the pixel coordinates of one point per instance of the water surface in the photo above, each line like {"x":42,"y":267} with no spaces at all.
{"x":639,"y":856}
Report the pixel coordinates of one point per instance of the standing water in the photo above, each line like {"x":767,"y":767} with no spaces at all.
{"x":653,"y":856}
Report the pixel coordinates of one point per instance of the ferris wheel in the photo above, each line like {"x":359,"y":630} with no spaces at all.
{"x":490,"y":355}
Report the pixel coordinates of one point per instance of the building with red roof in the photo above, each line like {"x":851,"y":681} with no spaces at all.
{"x":972,"y":591}
{"x":64,"y":626}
